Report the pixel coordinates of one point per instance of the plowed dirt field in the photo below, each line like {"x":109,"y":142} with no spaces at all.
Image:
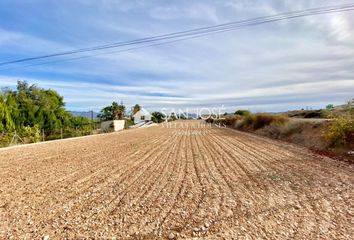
{"x":184,"y":181}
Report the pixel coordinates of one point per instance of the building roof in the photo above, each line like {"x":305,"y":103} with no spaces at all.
{"x":141,"y":112}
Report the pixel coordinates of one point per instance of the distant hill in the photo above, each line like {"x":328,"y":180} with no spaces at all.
{"x":84,"y":114}
{"x":321,"y":113}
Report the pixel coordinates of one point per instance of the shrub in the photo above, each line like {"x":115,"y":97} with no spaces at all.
{"x":158,"y":117}
{"x":225,"y":120}
{"x":291,"y":128}
{"x":5,"y":139}
{"x":329,"y":106}
{"x":128,"y":123}
{"x":248,"y":120}
{"x":231,"y":120}
{"x":261,"y":120}
{"x":31,"y":134}
{"x":209,"y":120}
{"x":242,"y":112}
{"x":280,"y":119}
{"x":314,"y":114}
{"x":341,"y":131}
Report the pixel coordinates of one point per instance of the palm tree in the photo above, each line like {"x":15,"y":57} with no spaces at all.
{"x":118,"y":110}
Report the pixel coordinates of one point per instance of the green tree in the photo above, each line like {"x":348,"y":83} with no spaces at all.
{"x":37,"y":106}
{"x":242,"y":112}
{"x":106,"y":113}
{"x":158,"y":117}
{"x":329,"y":106}
{"x":7,"y":112}
{"x":29,"y":110}
{"x":118,"y":111}
{"x":113,"y":112}
{"x":136,"y":108}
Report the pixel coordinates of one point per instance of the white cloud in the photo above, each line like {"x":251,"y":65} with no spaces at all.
{"x":11,"y":40}
{"x":199,"y":11}
{"x":293,"y":63}
{"x":341,"y":27}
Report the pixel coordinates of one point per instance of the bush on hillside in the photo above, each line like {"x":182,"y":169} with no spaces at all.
{"x":260,"y":120}
{"x":291,"y":128}
{"x":341,"y":131}
{"x":314,"y":114}
{"x":247,"y":121}
{"x":209,"y":120}
{"x":250,"y":121}
{"x":229,"y":120}
{"x":242,"y":112}
{"x":225,"y":120}
{"x":308,"y":113}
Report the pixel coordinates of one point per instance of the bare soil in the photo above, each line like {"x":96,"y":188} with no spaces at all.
{"x":171,"y":183}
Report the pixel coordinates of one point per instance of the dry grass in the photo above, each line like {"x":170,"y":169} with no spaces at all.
{"x":260,"y":120}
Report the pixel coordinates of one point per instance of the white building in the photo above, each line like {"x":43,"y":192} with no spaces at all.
{"x":141,"y":115}
{"x":113,"y":125}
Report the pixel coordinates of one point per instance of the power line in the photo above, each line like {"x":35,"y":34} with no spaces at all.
{"x":282,"y":16}
{"x":188,"y":34}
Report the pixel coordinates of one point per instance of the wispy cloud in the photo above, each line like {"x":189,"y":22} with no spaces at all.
{"x":292,"y":64}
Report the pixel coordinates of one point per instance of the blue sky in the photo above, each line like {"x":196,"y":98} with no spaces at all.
{"x":299,"y":63}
